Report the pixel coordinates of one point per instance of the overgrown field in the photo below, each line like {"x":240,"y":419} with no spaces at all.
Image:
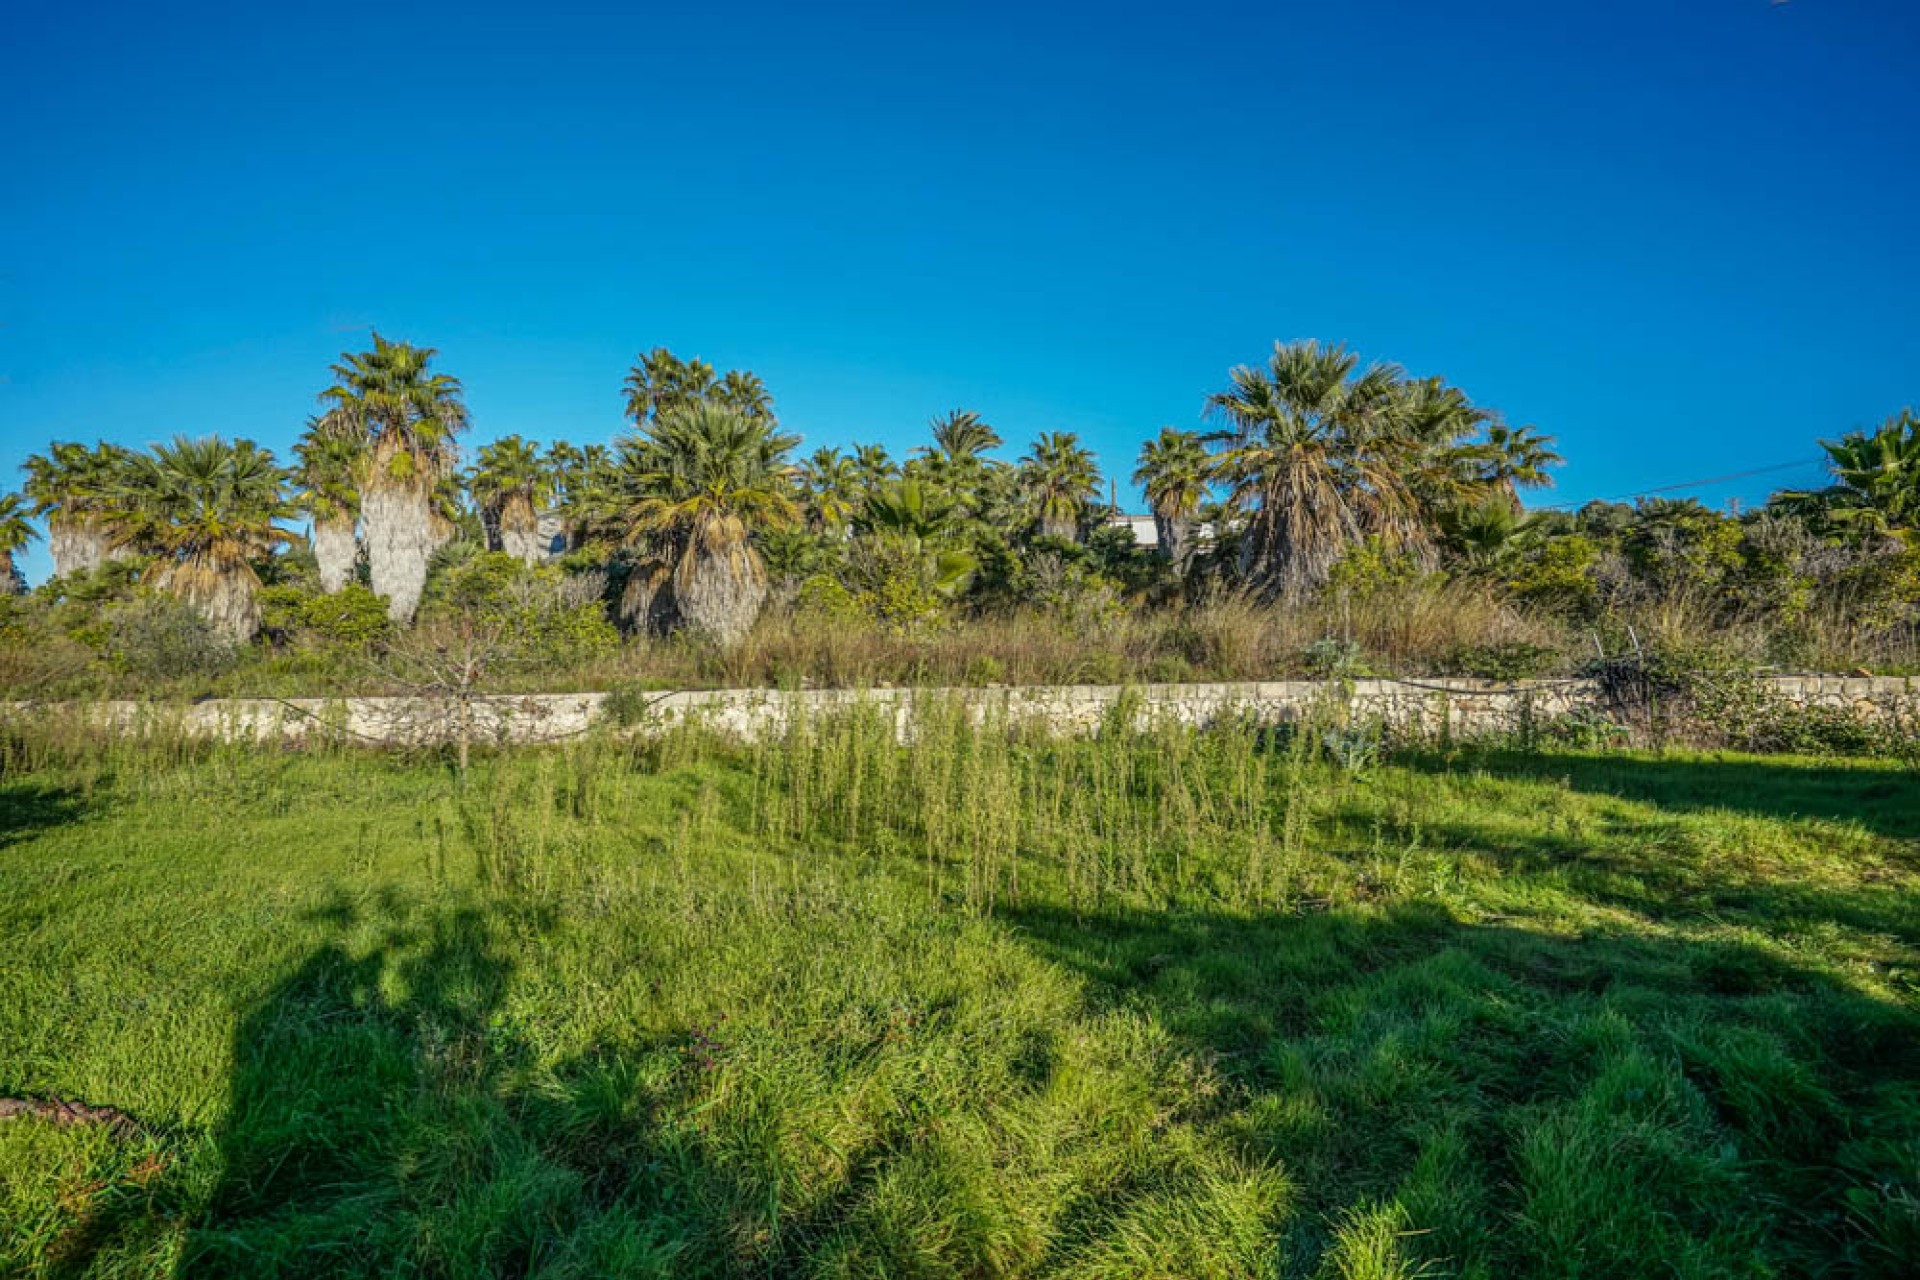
{"x":1222,"y":1004}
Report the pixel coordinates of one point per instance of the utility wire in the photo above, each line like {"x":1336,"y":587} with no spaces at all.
{"x":1690,"y":484}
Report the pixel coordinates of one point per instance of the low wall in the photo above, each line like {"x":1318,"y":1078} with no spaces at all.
{"x":1462,"y":708}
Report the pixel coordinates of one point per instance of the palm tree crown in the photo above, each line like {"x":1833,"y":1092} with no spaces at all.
{"x":207,"y":509}
{"x":1880,"y":472}
{"x":326,"y":460}
{"x":16,"y":531}
{"x":700,"y":480}
{"x":327,"y":464}
{"x":75,"y":488}
{"x":1174,"y":473}
{"x":407,"y":418}
{"x":1311,"y":451}
{"x":831,"y":482}
{"x":407,"y":414}
{"x":1061,"y":481}
{"x":961,"y":434}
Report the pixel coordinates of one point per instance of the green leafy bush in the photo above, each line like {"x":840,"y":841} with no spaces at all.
{"x":353,"y":616}
{"x":1333,"y":658}
{"x":156,"y":637}
{"x":1560,"y":577}
{"x":1503,"y":660}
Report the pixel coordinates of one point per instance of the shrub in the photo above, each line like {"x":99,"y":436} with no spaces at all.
{"x":156,"y":637}
{"x":1560,"y":578}
{"x":1333,"y":658}
{"x":1501,"y":660}
{"x":352,"y":617}
{"x":1371,"y":568}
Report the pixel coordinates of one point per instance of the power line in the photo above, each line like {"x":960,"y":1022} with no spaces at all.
{"x":1690,"y":484}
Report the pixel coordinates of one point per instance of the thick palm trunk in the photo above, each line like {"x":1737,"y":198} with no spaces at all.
{"x":11,"y":583}
{"x":520,"y":531}
{"x":401,"y":538}
{"x":336,"y":550}
{"x":646,"y":603}
{"x":718,"y":592}
{"x":78,"y":546}
{"x":1059,"y":527}
{"x":226,"y":597}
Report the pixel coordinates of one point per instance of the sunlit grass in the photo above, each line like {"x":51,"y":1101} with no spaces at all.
{"x":1171,"y":1005}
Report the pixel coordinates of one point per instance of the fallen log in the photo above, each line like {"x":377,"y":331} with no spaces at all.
{"x":59,"y":1111}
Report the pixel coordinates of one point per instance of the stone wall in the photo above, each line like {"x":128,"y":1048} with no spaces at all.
{"x":1427,"y":708}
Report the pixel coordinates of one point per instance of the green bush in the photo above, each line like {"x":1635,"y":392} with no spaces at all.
{"x":1333,"y":658}
{"x":1371,"y":568}
{"x":156,"y":637}
{"x":353,"y":616}
{"x":1560,"y":577}
{"x":825,"y":596}
{"x":1505,"y":660}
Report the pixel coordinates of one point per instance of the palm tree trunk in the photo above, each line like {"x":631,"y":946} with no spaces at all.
{"x":224,"y":595}
{"x":520,"y":531}
{"x":718,"y":591}
{"x":78,"y":546}
{"x":336,"y":550}
{"x":1059,"y":527}
{"x":11,"y":582}
{"x":401,"y":538}
{"x":1176,"y":539}
{"x":646,"y":603}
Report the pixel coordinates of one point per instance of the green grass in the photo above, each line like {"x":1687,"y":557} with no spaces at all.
{"x":1184,"y":1005}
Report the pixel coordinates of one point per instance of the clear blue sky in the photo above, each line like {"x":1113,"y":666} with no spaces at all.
{"x":1682,"y":237}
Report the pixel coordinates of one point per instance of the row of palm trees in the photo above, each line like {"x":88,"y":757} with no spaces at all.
{"x":1311,"y":453}
{"x":1304,"y":457}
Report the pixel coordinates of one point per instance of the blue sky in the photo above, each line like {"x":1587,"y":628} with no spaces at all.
{"x":1679,"y":236}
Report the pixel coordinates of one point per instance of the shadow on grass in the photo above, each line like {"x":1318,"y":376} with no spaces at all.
{"x":387,"y":1115}
{"x":1884,"y":799}
{"x":1506,"y":1099}
{"x":26,"y":809}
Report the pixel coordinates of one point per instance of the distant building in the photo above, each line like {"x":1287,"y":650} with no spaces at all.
{"x":1145,"y":533}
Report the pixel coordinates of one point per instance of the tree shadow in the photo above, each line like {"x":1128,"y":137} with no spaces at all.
{"x":387,"y":1115}
{"x":1524,"y":1096}
{"x":1884,"y":799}
{"x":26,"y":809}
{"x":341,"y":1075}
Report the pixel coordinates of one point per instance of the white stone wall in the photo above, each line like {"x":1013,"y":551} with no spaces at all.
{"x":1461,"y":708}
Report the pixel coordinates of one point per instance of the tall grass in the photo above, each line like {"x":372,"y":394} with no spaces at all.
{"x":1239,"y":1002}
{"x":1120,"y":816}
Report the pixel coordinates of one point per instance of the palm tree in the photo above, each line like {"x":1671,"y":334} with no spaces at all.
{"x":831,"y":483}
{"x":15,"y":532}
{"x":73,"y":487}
{"x":206,"y":508}
{"x":961,"y":435}
{"x":1430,"y":429}
{"x":1061,"y":483}
{"x":701,"y":479}
{"x":407,"y":417}
{"x":1876,"y":489}
{"x":660,"y":381}
{"x":511,"y":484}
{"x":873,"y":465}
{"x":906,"y":537}
{"x":586,"y":489}
{"x":1173,"y":472}
{"x":744,"y":392}
{"x":1312,"y":454}
{"x":326,"y":462}
{"x":1516,"y":458}
{"x":956,"y":461}
{"x":1486,"y":536}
